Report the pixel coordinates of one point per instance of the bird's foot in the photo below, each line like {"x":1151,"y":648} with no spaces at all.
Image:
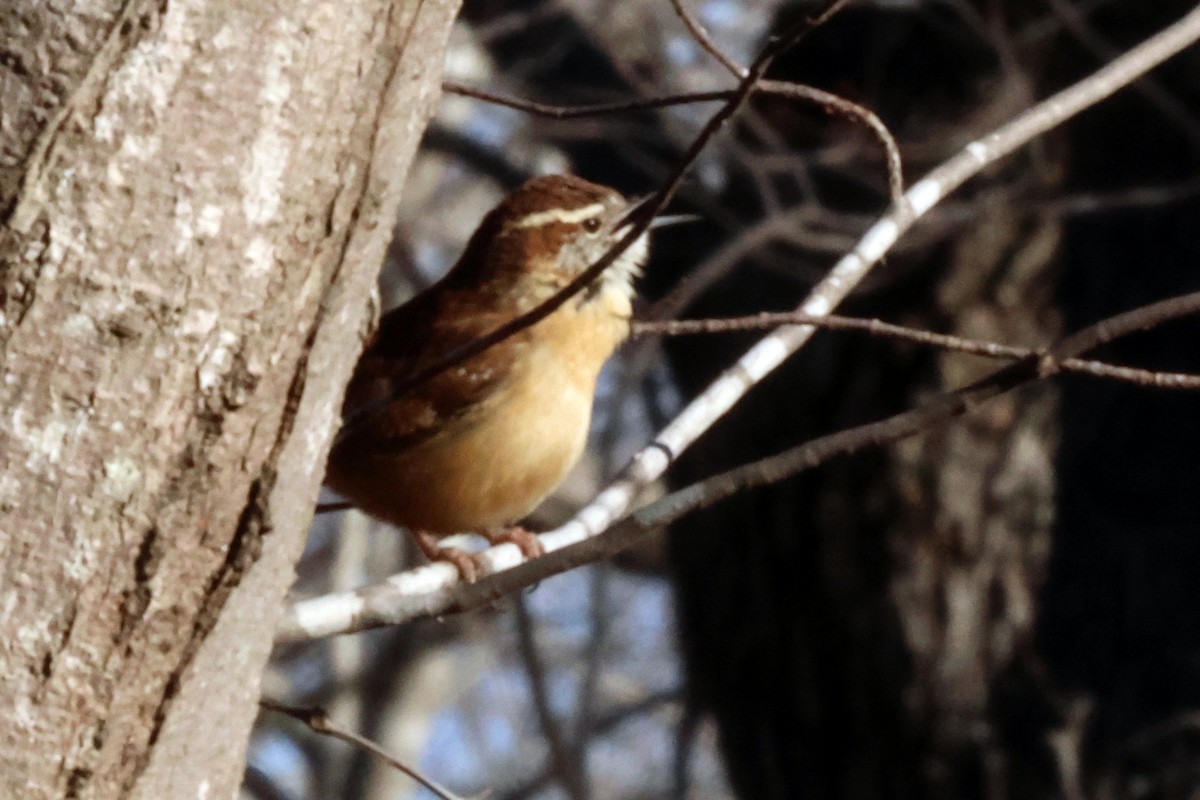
{"x":469,"y":565}
{"x":528,"y":542}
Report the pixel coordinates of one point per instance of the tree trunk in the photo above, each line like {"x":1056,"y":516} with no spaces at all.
{"x":194,"y":201}
{"x":854,"y":630}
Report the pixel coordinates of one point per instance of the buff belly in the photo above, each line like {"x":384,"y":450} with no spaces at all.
{"x":487,"y":469}
{"x":497,"y":461}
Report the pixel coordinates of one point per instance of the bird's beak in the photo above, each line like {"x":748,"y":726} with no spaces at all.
{"x":673,"y":219}
{"x":632,"y":211}
{"x":659,"y":221}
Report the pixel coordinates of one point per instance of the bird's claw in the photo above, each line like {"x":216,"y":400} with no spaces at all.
{"x":527,"y":541}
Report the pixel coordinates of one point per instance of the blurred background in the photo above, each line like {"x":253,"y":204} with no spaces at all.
{"x":1004,"y":607}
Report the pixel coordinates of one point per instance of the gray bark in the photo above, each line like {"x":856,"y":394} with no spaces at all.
{"x":195,"y":198}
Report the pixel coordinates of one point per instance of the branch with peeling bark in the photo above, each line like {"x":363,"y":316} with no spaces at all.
{"x":436,"y":589}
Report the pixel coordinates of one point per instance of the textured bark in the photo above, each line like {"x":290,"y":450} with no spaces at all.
{"x":194,"y":200}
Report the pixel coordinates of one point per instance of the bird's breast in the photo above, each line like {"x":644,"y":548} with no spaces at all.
{"x":496,"y":462}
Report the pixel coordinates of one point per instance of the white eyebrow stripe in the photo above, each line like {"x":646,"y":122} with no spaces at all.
{"x":565,"y":215}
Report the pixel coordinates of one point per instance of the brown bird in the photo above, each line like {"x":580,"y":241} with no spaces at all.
{"x":478,"y":446}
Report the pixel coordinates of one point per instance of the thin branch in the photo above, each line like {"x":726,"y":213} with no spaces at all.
{"x":827,"y":100}
{"x":592,"y":110}
{"x":599,"y":617}
{"x":640,"y":224}
{"x":704,"y":40}
{"x":1171,"y":107}
{"x":685,"y":741}
{"x":1120,"y":199}
{"x":809,"y":455}
{"x":848,"y":108}
{"x":319,"y":722}
{"x":779,"y":227}
{"x":603,"y":724}
{"x":436,"y":588}
{"x":395,"y":601}
{"x":876,"y":327}
{"x":564,"y":759}
{"x":793,"y":226}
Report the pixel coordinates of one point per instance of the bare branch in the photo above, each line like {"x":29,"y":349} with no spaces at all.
{"x":580,"y":112}
{"x":435,"y":589}
{"x":809,"y":455}
{"x":319,"y":722}
{"x":603,"y":724}
{"x":840,"y":105}
{"x":701,"y":36}
{"x":876,"y":327}
{"x":565,"y":760}
{"x":640,"y":224}
{"x":827,"y":100}
{"x":1177,"y":112}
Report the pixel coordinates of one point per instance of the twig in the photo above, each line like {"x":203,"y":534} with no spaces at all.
{"x":603,"y":724}
{"x":840,"y":105}
{"x":829,"y":101}
{"x":640,"y":224}
{"x":394,"y":602}
{"x":875,"y":327}
{"x":592,"y":110}
{"x":436,"y":589}
{"x":718,"y":264}
{"x":1179,"y":113}
{"x":685,"y":741}
{"x":701,"y":36}
{"x":787,"y":225}
{"x":809,"y":455}
{"x":563,"y":757}
{"x":599,"y":617}
{"x":319,"y":722}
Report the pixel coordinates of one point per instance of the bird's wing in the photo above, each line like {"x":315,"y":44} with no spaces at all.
{"x":410,"y":338}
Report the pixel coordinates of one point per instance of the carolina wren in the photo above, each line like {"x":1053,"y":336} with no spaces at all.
{"x":478,"y":446}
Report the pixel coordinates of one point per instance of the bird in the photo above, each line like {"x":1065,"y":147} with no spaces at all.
{"x":476,"y":447}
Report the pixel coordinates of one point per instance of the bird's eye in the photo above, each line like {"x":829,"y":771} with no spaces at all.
{"x":591,"y":224}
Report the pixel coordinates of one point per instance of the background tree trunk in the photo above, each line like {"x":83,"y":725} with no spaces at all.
{"x":1004,"y":607}
{"x":195,"y":198}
